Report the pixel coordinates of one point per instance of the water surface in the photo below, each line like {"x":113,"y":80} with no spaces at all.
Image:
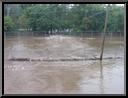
{"x":68,"y":77}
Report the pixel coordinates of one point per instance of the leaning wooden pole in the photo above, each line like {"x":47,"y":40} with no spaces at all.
{"x":105,"y":28}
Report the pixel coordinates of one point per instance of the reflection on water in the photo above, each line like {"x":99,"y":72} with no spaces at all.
{"x":76,"y":77}
{"x":101,"y":78}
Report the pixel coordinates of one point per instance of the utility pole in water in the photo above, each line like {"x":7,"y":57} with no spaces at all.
{"x":105,"y":28}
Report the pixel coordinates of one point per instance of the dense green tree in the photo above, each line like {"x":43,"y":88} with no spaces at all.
{"x":8,"y":24}
{"x":115,"y":23}
{"x":65,"y":17}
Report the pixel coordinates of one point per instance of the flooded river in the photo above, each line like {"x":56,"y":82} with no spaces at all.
{"x":63,"y":77}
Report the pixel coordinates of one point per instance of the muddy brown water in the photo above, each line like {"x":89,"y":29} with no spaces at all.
{"x":68,"y":77}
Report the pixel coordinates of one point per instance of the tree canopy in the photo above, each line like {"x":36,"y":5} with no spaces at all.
{"x":62,"y":17}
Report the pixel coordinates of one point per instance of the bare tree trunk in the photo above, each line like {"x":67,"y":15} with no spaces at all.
{"x":105,"y":28}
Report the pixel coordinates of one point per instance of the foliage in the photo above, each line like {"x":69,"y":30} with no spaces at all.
{"x":8,"y":24}
{"x":65,"y":17}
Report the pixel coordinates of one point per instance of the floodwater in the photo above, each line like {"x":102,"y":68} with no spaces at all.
{"x":63,"y":77}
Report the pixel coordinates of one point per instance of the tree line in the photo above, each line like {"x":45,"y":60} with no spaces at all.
{"x":62,"y":17}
